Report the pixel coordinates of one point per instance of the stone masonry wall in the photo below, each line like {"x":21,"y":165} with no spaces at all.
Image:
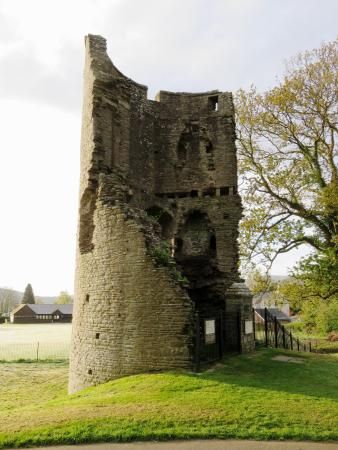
{"x":156,"y":177}
{"x":130,"y":315}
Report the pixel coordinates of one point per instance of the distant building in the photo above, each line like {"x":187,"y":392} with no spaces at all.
{"x":42,"y":313}
{"x":266,"y":300}
{"x":280,"y":315}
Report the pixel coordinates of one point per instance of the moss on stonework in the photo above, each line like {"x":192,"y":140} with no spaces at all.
{"x":161,"y":252}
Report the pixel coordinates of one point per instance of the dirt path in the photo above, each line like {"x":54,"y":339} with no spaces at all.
{"x":215,"y":444}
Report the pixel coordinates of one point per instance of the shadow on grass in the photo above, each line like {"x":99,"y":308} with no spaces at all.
{"x":316,"y":377}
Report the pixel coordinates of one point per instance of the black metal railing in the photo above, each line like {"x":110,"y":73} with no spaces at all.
{"x":209,"y":339}
{"x":270,"y":332}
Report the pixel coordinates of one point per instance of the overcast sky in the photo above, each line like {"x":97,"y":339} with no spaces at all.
{"x":178,"y":45}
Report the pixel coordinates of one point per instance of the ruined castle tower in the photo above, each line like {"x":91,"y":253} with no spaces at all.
{"x":156,"y":277}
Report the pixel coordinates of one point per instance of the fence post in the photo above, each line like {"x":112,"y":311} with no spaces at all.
{"x":297,"y":344}
{"x":37,"y":352}
{"x":310,"y":349}
{"x":266,"y":326}
{"x":221,"y":336}
{"x":239,"y":326}
{"x":253,"y":324}
{"x":276,"y":331}
{"x":291,"y":343}
{"x":197,"y":343}
{"x":284,"y":344}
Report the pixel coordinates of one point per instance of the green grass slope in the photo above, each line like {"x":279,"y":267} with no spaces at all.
{"x":247,"y":396}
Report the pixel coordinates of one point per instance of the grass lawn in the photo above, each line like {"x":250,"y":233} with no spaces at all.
{"x":27,"y":341}
{"x":246,"y":396}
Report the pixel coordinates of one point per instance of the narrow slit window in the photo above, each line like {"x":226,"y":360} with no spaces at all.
{"x":209,"y":147}
{"x":213,"y":242}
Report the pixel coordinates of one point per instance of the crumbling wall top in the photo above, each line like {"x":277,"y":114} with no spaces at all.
{"x":96,"y":50}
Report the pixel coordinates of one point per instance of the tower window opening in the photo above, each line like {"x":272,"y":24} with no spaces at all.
{"x":213,"y":103}
{"x":208,"y":147}
{"x":178,"y":245}
{"x":224,"y":191}
{"x":209,"y":192}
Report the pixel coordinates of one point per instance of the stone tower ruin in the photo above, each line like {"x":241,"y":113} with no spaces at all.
{"x":157,"y":260}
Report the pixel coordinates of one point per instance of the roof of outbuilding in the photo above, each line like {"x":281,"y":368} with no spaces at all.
{"x":17,"y":308}
{"x":280,"y":315}
{"x":47,"y":309}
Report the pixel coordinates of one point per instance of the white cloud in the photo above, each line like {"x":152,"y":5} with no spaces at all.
{"x":38,"y":185}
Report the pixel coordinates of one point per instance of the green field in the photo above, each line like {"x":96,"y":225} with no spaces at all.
{"x":245,"y":396}
{"x":34,"y":341}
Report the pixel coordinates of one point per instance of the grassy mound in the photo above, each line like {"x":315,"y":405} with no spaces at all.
{"x":247,"y":396}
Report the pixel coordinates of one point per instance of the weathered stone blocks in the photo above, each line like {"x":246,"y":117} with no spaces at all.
{"x":158,"y":225}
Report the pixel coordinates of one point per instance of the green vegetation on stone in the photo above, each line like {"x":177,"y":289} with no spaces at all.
{"x":246,"y":396}
{"x":161,"y":252}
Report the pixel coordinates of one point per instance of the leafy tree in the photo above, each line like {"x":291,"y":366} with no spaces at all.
{"x":259,"y":283}
{"x":8,"y":299}
{"x":28,"y":295}
{"x":293,"y":292}
{"x":287,"y":146}
{"x":64,"y":298}
{"x":318,"y":274}
{"x":320,"y":317}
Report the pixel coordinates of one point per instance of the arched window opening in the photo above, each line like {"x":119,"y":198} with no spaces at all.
{"x":195,"y":235}
{"x":164,"y":219}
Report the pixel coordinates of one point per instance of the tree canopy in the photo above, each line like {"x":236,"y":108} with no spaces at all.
{"x":64,"y":298}
{"x":287,"y":148}
{"x":28,"y":295}
{"x":8,"y":299}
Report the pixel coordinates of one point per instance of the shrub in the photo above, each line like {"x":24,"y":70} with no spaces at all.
{"x":333,"y":336}
{"x":295,"y":327}
{"x":325,"y":346}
